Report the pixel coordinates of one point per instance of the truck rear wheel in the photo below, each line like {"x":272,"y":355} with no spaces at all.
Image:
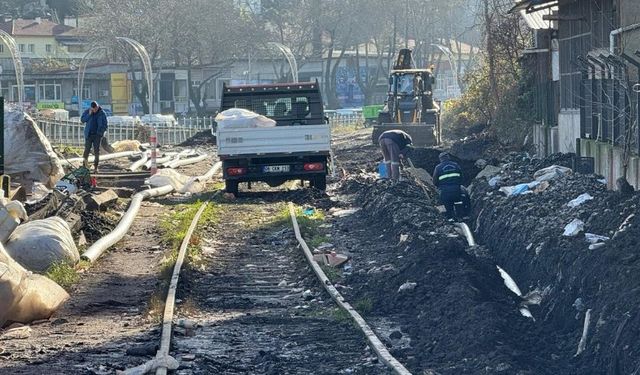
{"x":319,"y":182}
{"x":231,"y":187}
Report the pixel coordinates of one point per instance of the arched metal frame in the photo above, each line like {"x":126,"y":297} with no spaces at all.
{"x":10,"y":42}
{"x":81,"y":71}
{"x":291,"y":59}
{"x":146,"y":64}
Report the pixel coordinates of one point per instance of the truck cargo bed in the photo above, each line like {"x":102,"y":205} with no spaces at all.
{"x":279,"y":139}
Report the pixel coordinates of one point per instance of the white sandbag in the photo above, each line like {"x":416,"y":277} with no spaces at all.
{"x":11,"y":289}
{"x":181,"y":183}
{"x":126,"y":145}
{"x":25,"y":297}
{"x":39,"y":244}
{"x":27,"y":151}
{"x":40,"y":298}
{"x":242,"y":118}
{"x":11,"y":215}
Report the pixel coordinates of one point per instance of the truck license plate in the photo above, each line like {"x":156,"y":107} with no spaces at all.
{"x":276,"y":168}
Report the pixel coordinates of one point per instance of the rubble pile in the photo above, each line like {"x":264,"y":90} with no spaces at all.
{"x":576,"y":242}
{"x":450,"y":300}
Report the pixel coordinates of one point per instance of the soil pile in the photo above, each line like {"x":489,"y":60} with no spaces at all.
{"x":526,"y":236}
{"x":96,"y":225}
{"x":449,"y":299}
{"x":202,"y":138}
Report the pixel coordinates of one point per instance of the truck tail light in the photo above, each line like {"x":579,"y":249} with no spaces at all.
{"x":236,"y":171}
{"x":313,"y":166}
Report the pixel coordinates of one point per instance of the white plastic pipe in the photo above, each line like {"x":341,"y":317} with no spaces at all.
{"x":466,"y":232}
{"x":125,"y":223}
{"x":183,"y":162}
{"x":160,"y":161}
{"x":139,"y":163}
{"x":115,"y":155}
{"x":123,"y":226}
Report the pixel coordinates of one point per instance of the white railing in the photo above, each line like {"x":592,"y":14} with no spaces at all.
{"x":71,"y":133}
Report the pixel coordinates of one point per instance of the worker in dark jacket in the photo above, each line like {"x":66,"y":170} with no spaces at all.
{"x":447,"y":177}
{"x":95,"y":126}
{"x":394,"y":145}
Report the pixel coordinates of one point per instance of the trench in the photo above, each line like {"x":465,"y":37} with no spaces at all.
{"x":531,"y":329}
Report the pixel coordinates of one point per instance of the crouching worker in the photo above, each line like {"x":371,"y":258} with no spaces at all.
{"x":447,"y":177}
{"x":394,"y":145}
{"x":95,"y":126}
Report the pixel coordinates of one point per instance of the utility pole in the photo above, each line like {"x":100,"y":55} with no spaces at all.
{"x":406,"y":24}
{"x":490,"y":53}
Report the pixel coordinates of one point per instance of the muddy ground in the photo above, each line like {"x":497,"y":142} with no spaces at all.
{"x":111,"y":321}
{"x":258,"y":306}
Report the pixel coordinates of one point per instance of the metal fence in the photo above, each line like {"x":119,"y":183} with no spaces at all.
{"x":338,"y":120}
{"x":71,"y":133}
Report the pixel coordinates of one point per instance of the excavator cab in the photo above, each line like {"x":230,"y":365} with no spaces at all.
{"x":409,"y":106}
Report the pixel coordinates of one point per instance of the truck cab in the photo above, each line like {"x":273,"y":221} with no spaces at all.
{"x":296,"y":148}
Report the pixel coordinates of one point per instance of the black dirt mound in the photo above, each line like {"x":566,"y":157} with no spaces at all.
{"x":459,"y":316}
{"x":202,"y":138}
{"x":96,"y":225}
{"x":525,"y":235}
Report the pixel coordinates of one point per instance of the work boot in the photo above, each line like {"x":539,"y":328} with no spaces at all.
{"x":95,"y":169}
{"x":85,"y":163}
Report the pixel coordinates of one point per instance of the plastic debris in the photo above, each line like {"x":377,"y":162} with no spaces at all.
{"x":519,"y":189}
{"x":595,"y":238}
{"x":242,"y":118}
{"x":494,"y":181}
{"x":579,"y":200}
{"x":407,"y":287}
{"x":308,"y":212}
{"x":489,"y":171}
{"x":551,"y":173}
{"x":573,"y":228}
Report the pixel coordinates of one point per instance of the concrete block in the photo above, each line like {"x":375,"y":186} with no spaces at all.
{"x":101,"y":201}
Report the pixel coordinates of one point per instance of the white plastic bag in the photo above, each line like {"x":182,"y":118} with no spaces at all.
{"x":181,"y":183}
{"x":573,"y":228}
{"x":579,"y":200}
{"x":551,"y":173}
{"x":27,"y":150}
{"x":242,"y":118}
{"x":39,"y":244}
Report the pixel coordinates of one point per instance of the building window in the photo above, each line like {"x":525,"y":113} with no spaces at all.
{"x":75,"y":48}
{"x":32,"y":48}
{"x":1,"y":48}
{"x":21,"y":48}
{"x":29,"y":93}
{"x":86,"y":92}
{"x":50,"y":91}
{"x":48,"y":48}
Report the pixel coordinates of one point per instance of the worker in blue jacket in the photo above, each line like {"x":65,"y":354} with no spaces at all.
{"x":96,"y":125}
{"x":448,"y":178}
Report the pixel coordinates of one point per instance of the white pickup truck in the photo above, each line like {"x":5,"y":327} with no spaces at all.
{"x":297,"y":148}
